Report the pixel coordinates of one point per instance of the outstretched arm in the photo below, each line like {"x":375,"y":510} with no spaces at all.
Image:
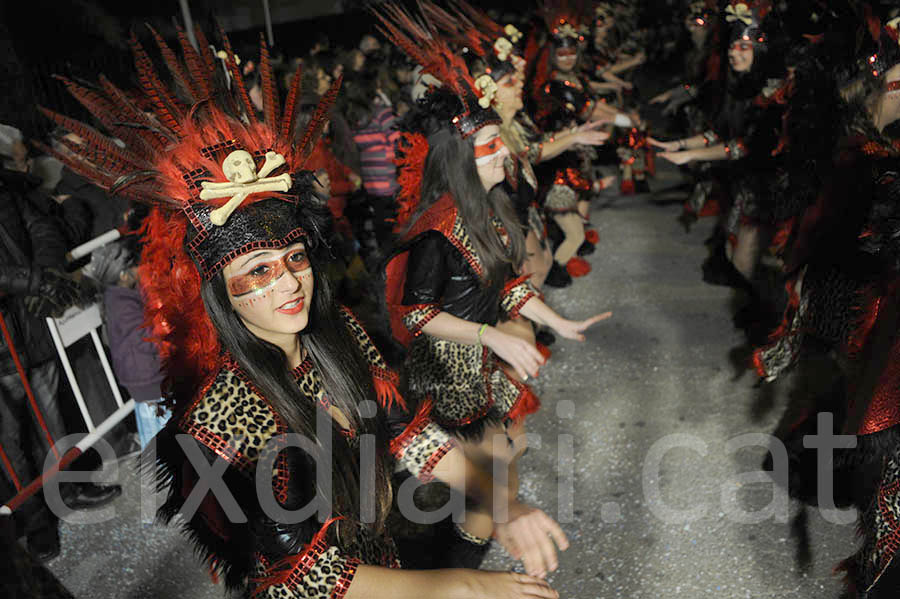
{"x":372,"y":581}
{"x":537,"y":311}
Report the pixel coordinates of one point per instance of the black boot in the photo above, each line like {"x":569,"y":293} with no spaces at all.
{"x":84,"y":496}
{"x":558,"y":276}
{"x":586,"y":248}
{"x":718,"y":270}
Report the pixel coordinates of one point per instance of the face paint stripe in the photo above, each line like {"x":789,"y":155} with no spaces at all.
{"x":242,"y":284}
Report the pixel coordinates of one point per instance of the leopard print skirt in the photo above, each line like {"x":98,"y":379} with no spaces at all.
{"x":468,"y":388}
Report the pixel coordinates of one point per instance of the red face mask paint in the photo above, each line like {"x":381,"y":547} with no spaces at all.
{"x":486,"y":152}
{"x":260,"y":277}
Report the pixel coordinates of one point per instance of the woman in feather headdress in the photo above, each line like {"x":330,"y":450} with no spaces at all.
{"x":272,"y":381}
{"x":452,"y":278}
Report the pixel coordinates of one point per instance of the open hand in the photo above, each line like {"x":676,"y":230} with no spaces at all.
{"x":588,"y":135}
{"x":532,"y":537}
{"x":524,"y":357}
{"x":504,"y":585}
{"x":573,"y":329}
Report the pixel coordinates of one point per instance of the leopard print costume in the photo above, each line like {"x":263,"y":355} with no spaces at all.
{"x":465,"y":382}
{"x":232,"y":420}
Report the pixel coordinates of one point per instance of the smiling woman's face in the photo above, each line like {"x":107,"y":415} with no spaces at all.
{"x":271,"y":291}
{"x":740,"y":55}
{"x":565,"y":58}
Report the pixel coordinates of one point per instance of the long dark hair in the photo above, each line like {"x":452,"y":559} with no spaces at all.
{"x":450,"y":168}
{"x":345,"y":377}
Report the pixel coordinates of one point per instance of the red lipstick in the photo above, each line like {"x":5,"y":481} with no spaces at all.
{"x":295,"y":310}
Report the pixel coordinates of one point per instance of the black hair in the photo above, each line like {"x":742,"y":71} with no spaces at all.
{"x":356,"y":99}
{"x":450,"y":168}
{"x":345,"y":377}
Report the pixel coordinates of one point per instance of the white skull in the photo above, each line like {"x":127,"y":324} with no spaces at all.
{"x":239,"y":167}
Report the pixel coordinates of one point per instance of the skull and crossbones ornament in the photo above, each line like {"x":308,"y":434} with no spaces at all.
{"x":243,"y":180}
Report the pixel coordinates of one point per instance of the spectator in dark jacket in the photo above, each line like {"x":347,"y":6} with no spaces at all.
{"x":32,"y":287}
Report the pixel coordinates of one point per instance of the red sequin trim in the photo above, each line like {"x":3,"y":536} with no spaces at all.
{"x":406,"y":439}
{"x":309,"y":558}
{"x":343,"y":583}
{"x":222,"y":448}
{"x":430,"y":311}
{"x":384,"y":374}
{"x":426,"y":473}
{"x":304,"y":368}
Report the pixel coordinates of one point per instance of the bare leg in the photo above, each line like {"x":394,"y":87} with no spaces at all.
{"x":584,"y":209}
{"x":746,"y":253}
{"x":495,"y":454}
{"x":538,"y":259}
{"x":573,"y":229}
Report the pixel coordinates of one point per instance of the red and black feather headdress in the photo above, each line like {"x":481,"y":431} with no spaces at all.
{"x":474,"y":32}
{"x":566,"y":20}
{"x":222,"y":181}
{"x":419,"y":40}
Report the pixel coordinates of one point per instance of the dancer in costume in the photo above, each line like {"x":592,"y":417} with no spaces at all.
{"x":452,"y":276}
{"x":746,"y":132}
{"x":845,"y":294}
{"x":563,"y":101}
{"x":488,"y":51}
{"x":256,"y":352}
{"x":605,"y":60}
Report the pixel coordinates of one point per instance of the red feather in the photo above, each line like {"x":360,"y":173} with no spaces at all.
{"x":269,"y":88}
{"x":479,"y":17}
{"x":387,"y":392}
{"x":78,"y":166}
{"x":205,"y":51}
{"x":237,"y":79}
{"x":527,"y":403}
{"x":419,"y":422}
{"x":150,"y":135}
{"x":282,"y":571}
{"x":166,"y":107}
{"x":109,"y":114}
{"x":290,"y":105}
{"x":412,"y":149}
{"x":174,"y":312}
{"x":458,"y":28}
{"x":103,"y":148}
{"x":319,"y":120}
{"x":197,"y":68}
{"x":422,"y":44}
{"x":178,"y":73}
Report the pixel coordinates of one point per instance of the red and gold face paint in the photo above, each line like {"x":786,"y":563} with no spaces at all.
{"x":486,"y":152}
{"x":893,"y":86}
{"x":260,"y":277}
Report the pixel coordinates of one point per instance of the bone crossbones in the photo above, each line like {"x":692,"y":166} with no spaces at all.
{"x":243,"y":180}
